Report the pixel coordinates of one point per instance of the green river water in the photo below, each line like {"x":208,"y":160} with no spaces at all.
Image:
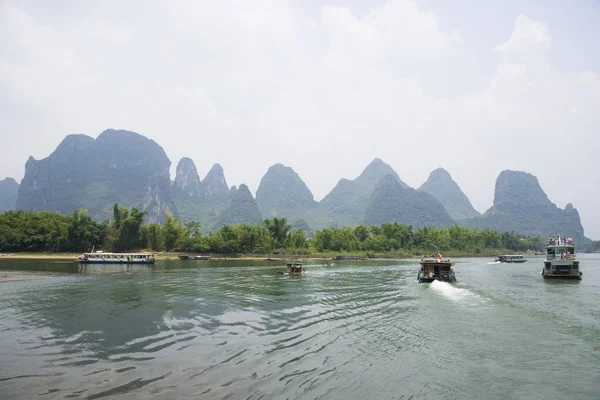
{"x":244,"y":330}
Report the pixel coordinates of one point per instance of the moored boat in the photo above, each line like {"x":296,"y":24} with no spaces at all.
{"x":193,"y":257}
{"x":510,"y":258}
{"x":436,"y":269}
{"x":294,"y":268}
{"x":100,"y":257}
{"x":561,"y":261}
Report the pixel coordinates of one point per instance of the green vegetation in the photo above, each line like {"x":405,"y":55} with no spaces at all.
{"x":392,"y":237}
{"x":22,"y":231}
{"x":51,"y":232}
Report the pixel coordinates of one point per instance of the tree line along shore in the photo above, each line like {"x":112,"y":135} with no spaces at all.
{"x":46,"y":234}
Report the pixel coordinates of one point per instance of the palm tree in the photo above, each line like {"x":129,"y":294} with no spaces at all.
{"x":278,"y":228}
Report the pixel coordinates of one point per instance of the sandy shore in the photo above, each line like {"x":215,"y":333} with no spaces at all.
{"x":158,"y":256}
{"x":38,"y":256}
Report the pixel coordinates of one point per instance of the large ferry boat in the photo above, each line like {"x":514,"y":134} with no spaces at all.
{"x":436,"y":269}
{"x":100,"y":257}
{"x":561,"y":262}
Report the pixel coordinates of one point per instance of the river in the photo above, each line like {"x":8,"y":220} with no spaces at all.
{"x":244,"y":330}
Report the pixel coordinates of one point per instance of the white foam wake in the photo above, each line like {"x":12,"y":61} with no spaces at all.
{"x":452,"y":292}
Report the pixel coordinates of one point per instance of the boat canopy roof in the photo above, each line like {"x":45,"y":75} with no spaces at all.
{"x":437,"y":262}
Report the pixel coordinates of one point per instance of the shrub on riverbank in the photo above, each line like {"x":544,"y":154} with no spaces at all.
{"x":22,"y":231}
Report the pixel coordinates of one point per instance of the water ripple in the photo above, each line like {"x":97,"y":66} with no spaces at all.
{"x":356,"y":330}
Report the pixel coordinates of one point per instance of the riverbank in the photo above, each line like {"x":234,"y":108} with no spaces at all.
{"x":271,"y":257}
{"x":38,"y":256}
{"x":160,"y":256}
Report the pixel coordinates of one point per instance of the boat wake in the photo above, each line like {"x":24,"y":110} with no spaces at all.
{"x":454,"y":293}
{"x":494,"y":262}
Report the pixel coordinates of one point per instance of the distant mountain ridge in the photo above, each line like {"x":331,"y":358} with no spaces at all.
{"x":127,"y":168}
{"x":187,"y":179}
{"x":345,"y":204}
{"x":215,"y":184}
{"x":392,"y":202}
{"x":197,"y":200}
{"x":9,"y":189}
{"x":282,"y":192}
{"x":522,"y":206}
{"x":118,"y":166}
{"x":441,"y":186}
{"x":241,"y":210}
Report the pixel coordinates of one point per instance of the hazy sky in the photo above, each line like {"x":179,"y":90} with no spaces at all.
{"x":322,"y":86}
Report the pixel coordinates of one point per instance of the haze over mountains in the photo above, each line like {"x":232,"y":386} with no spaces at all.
{"x":9,"y":189}
{"x":127,"y":168}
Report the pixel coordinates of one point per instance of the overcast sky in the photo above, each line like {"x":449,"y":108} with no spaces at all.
{"x":321,"y":86}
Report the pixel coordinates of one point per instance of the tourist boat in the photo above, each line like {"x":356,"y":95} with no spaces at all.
{"x":436,"y":269}
{"x":193,"y":257}
{"x":347,"y":257}
{"x":561,"y":262}
{"x":293,"y":268}
{"x":510,"y":258}
{"x":100,"y":257}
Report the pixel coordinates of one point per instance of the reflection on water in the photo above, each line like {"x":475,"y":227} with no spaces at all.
{"x":112,"y":268}
{"x":245,"y":330}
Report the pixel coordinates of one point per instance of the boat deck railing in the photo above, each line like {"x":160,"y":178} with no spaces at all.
{"x":561,"y":242}
{"x":558,"y":257}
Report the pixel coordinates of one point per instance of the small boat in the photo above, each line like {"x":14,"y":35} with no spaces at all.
{"x":193,"y":257}
{"x":510,"y":258}
{"x":293,"y":268}
{"x":436,"y":269}
{"x":561,"y":262}
{"x":100,"y":257}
